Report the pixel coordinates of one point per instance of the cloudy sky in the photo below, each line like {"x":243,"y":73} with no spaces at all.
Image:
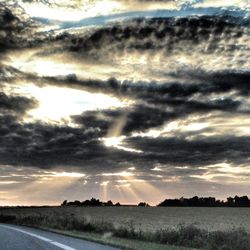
{"x":129,"y":100}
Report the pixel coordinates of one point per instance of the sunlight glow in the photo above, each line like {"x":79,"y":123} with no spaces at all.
{"x":117,"y":143}
{"x":190,"y":124}
{"x":104,"y":189}
{"x":215,"y":121}
{"x":56,"y":104}
{"x":156,"y":168}
{"x":195,"y":126}
{"x":131,"y":168}
{"x":244,"y":4}
{"x":48,"y":68}
{"x":29,"y":62}
{"x":228,"y":168}
{"x":104,"y":183}
{"x":87,"y":9}
{"x":122,"y":174}
{"x":123,"y":185}
{"x":227,"y":172}
{"x":113,"y":141}
{"x":68,"y":174}
{"x":8,"y":182}
{"x":128,"y":184}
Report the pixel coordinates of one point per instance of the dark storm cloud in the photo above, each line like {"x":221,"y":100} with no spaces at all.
{"x":141,"y":117}
{"x":11,"y":26}
{"x":204,"y":83}
{"x":167,"y":34}
{"x":156,"y":104}
{"x":217,"y":82}
{"x":8,"y":28}
{"x":45,"y":146}
{"x":197,"y":152}
{"x":18,"y":30}
{"x":160,"y":103}
{"x":15,"y":104}
{"x":12,"y":131}
{"x":48,"y":2}
{"x":10,"y":74}
{"x":48,"y":146}
{"x":138,"y":118}
{"x":195,"y":82}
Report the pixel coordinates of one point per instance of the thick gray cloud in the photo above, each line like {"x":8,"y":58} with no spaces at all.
{"x":166,"y":34}
{"x":198,"y":152}
{"x":15,"y":104}
{"x":47,"y":146}
{"x":12,"y":25}
{"x":195,"y":82}
{"x":142,"y":117}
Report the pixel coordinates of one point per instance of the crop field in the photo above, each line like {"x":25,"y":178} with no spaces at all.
{"x":188,"y":227}
{"x":148,"y":219}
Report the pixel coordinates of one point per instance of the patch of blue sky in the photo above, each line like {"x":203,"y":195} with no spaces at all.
{"x":161,"y":13}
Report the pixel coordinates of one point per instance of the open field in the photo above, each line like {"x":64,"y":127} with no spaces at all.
{"x":161,"y":228}
{"x":150,"y":218}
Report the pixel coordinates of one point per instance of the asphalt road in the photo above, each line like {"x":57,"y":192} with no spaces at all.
{"x":24,"y":238}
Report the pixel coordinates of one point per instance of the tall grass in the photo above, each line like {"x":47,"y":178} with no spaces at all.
{"x":188,"y":236}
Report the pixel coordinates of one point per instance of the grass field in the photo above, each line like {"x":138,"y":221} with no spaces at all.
{"x":151,"y":218}
{"x":207,"y":228}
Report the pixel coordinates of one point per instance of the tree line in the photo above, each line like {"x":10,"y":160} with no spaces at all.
{"x":196,"y":201}
{"x":92,"y":202}
{"x":237,"y":201}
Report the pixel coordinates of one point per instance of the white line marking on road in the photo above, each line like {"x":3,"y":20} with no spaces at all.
{"x":62,"y":246}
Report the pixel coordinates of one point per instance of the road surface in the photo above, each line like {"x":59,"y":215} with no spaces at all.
{"x":24,"y":238}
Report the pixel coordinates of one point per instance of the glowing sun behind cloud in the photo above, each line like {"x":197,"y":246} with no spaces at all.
{"x":58,"y":104}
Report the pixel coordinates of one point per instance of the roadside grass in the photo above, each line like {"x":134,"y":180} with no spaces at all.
{"x":128,"y":237}
{"x":127,"y":244}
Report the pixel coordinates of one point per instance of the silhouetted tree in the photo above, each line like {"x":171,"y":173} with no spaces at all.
{"x":143,"y":204}
{"x":64,"y":203}
{"x":109,"y":203}
{"x":230,"y":201}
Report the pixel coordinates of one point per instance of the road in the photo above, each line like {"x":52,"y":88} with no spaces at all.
{"x":24,"y":238}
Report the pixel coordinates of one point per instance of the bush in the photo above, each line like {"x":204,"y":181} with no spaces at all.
{"x":236,"y":239}
{"x":7,"y":218}
{"x":192,"y":236}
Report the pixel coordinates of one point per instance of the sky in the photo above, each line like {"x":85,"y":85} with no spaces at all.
{"x":125,"y":100}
